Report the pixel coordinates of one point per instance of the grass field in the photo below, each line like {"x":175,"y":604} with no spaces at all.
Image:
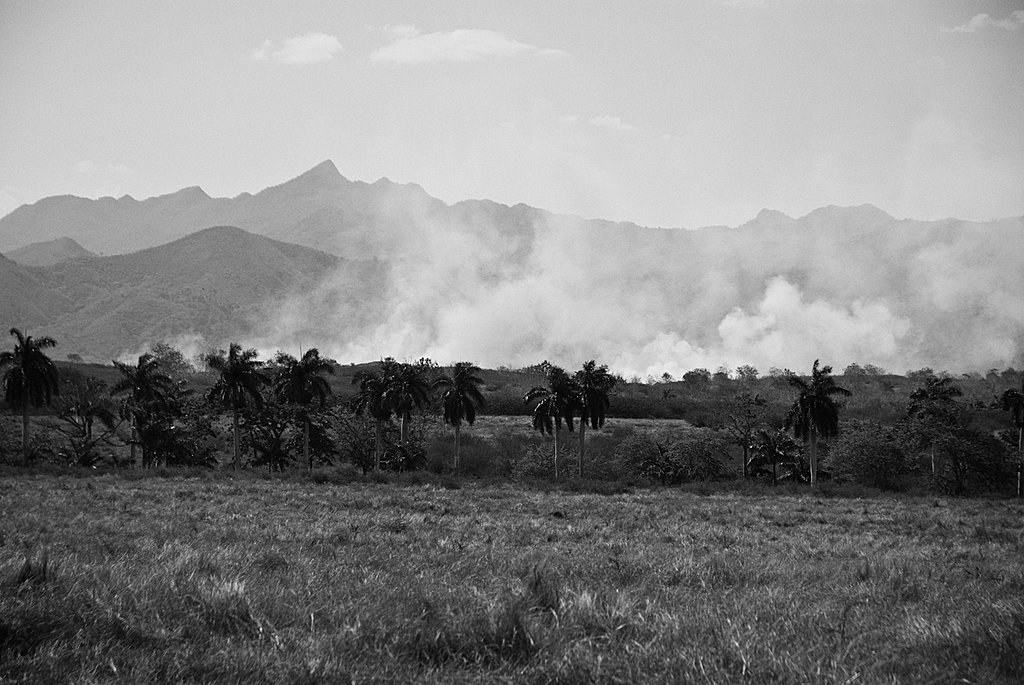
{"x":213,"y":578}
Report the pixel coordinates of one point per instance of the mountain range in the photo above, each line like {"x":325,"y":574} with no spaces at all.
{"x":369,"y":269}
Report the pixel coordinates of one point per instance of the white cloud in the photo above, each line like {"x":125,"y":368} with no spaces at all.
{"x":982,"y":21}
{"x":569,"y":119}
{"x":461,"y":45}
{"x":310,"y":48}
{"x":85,"y":166}
{"x":611,"y":123}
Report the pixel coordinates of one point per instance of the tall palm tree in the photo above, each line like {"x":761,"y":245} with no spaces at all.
{"x":299,"y":382}
{"x":239,"y":382}
{"x":461,"y":399}
{"x":814,"y":413}
{"x":374,"y":398}
{"x":1013,"y":402}
{"x":31,"y":378}
{"x":554,"y":404}
{"x":408,"y":389}
{"x":148,"y":391}
{"x":593,"y":383}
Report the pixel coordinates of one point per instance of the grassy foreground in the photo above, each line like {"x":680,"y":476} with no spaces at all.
{"x":220,"y":579}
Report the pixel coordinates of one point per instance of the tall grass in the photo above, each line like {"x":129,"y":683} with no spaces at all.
{"x":242,"y":579}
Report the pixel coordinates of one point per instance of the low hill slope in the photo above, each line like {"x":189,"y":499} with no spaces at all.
{"x":217,"y":285}
{"x":49,"y":252}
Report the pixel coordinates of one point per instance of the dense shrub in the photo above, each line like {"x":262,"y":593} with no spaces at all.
{"x":686,"y":456}
{"x":869,"y":454}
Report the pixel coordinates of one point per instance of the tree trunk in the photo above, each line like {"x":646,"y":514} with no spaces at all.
{"x":237,"y":462}
{"x":134,"y":439}
{"x":405,"y":430}
{"x":377,"y":444}
{"x":24,"y":430}
{"x":814,"y":455}
{"x":305,"y":443}
{"x":774,"y":480}
{"x":457,"y":449}
{"x":557,"y":431}
{"x":583,"y":447}
{"x":746,"y":457}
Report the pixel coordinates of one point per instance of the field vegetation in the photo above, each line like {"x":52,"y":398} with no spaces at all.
{"x":226,"y":519}
{"x":200,"y":576}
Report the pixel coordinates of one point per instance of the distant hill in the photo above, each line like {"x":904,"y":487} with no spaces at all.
{"x":515,"y":285}
{"x":49,"y":252}
{"x":211,"y":287}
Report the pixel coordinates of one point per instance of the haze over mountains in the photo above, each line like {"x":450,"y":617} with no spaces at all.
{"x":366,"y":270}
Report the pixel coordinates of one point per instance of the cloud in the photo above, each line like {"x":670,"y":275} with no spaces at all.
{"x":569,"y":119}
{"x":310,"y":48}
{"x":85,"y":166}
{"x":461,"y":45}
{"x":611,"y":123}
{"x":983,"y":21}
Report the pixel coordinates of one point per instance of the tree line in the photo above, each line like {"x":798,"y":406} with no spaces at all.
{"x":278,"y":403}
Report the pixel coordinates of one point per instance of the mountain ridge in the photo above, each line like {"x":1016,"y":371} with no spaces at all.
{"x":393,"y":270}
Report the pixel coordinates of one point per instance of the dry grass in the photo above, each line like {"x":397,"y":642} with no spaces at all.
{"x":220,"y":579}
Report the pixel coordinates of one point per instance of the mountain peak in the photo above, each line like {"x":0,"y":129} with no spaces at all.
{"x":771,"y":214}
{"x":324,"y":170}
{"x":862,"y":212}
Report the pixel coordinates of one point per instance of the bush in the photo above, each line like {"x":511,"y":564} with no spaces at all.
{"x":869,"y":454}
{"x":686,"y":456}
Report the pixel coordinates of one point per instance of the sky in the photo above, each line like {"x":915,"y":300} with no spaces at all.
{"x":680,"y":113}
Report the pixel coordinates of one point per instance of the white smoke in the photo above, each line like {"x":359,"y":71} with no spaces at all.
{"x":651,"y":302}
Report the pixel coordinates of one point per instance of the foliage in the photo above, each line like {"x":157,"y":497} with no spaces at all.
{"x":172,"y":361}
{"x":238,"y":378}
{"x":745,"y":413}
{"x":462,"y":395}
{"x":869,"y":454}
{"x":555,"y":402}
{"x":238,"y":384}
{"x":84,"y":402}
{"x":299,"y":382}
{"x":775,"y":455}
{"x":270,"y":425}
{"x":694,"y":455}
{"x":30,"y":378}
{"x":814,"y":414}
{"x":151,"y":402}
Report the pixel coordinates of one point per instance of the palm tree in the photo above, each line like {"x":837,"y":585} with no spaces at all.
{"x":239,"y":381}
{"x":374,"y":398}
{"x":814,"y":414}
{"x":31,"y":378}
{"x":1013,"y":402}
{"x":408,"y":388}
{"x":593,"y":383}
{"x":149,"y":391}
{"x":299,"y":382}
{"x":461,"y":399}
{"x":555,"y":405}
{"x":772,"y":447}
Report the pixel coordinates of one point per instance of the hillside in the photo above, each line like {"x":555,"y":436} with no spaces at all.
{"x":511,"y":285}
{"x":49,"y":252}
{"x":206,"y":289}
